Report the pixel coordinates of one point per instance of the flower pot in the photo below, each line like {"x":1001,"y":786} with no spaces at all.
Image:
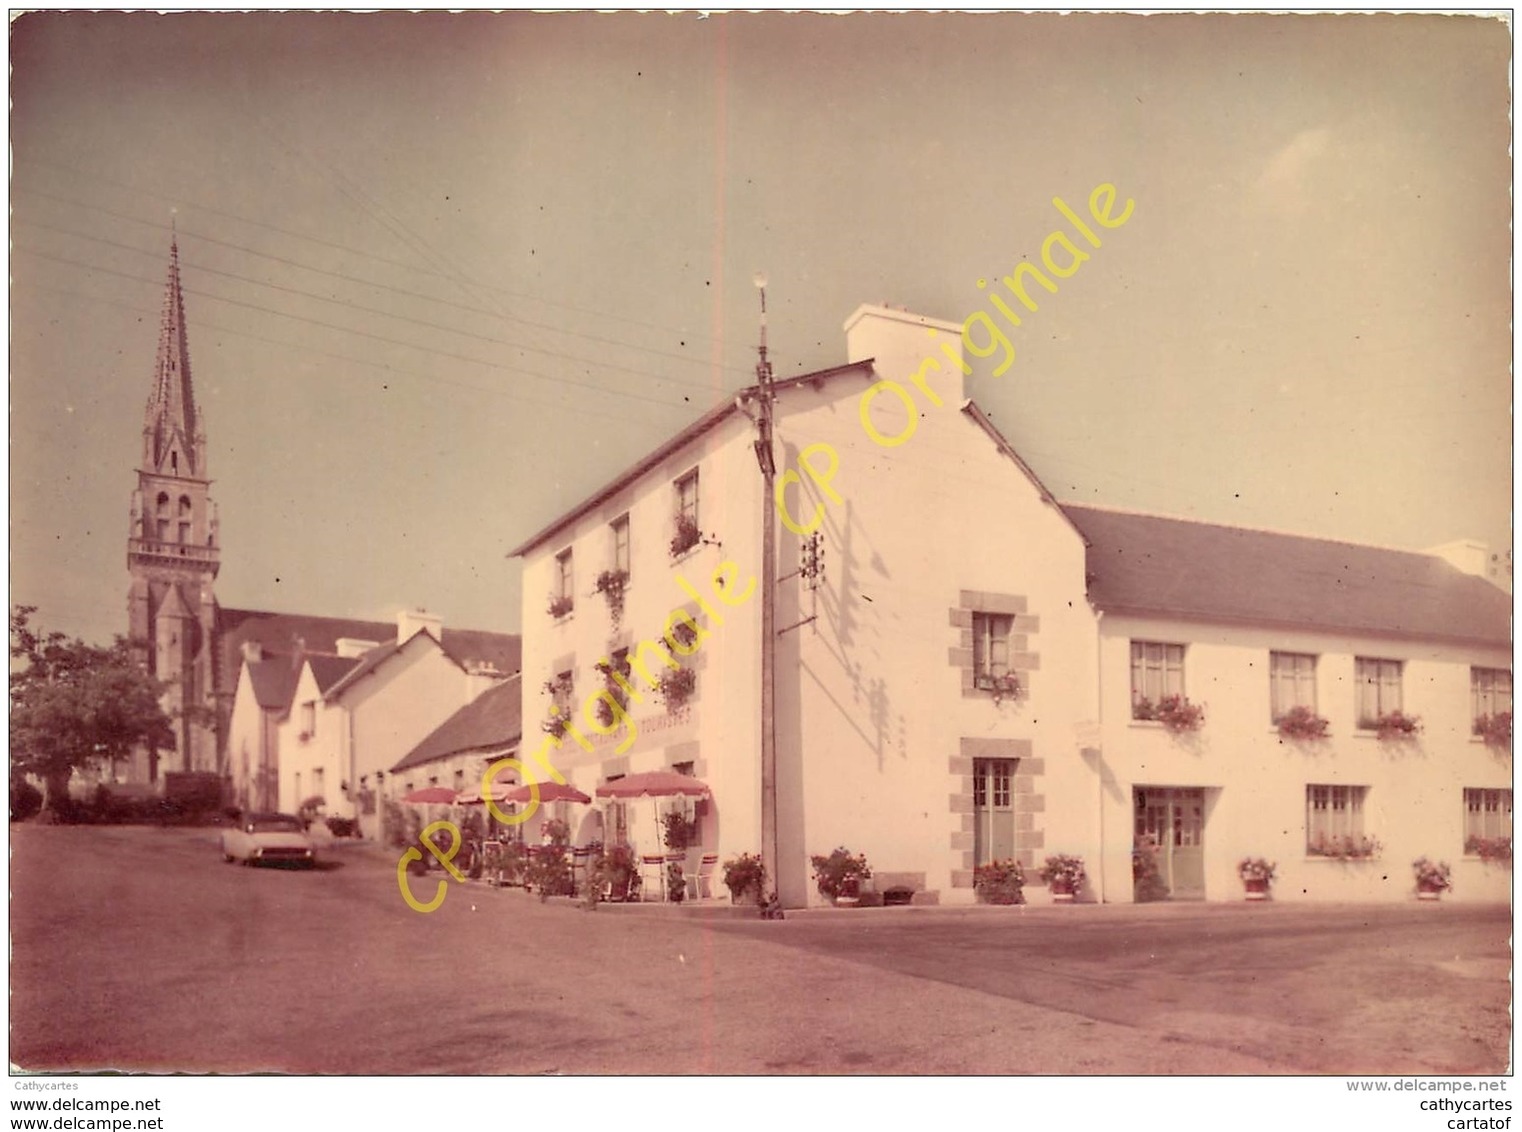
{"x":748,"y":895}
{"x":844,"y":901}
{"x":1257,"y":887}
{"x":1062,"y":891}
{"x":1429,"y":891}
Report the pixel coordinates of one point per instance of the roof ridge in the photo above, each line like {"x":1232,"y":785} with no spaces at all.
{"x":1140,"y":514}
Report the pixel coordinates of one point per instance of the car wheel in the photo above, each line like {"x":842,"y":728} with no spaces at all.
{"x":227,"y":858}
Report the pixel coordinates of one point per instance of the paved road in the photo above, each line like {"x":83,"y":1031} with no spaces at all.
{"x":139,"y":949}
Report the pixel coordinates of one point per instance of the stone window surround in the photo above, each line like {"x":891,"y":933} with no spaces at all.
{"x":1021,"y":660}
{"x":1027,"y":802}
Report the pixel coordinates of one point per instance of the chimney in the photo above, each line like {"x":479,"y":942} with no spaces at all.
{"x":352,"y":646}
{"x":253,"y":651}
{"x":410,"y":622}
{"x":1470,"y":556}
{"x":480,"y":676}
{"x":906,"y":345}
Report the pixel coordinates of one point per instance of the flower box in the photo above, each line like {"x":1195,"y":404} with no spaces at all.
{"x":1345,"y":848}
{"x":560,"y":606}
{"x":686,"y":537}
{"x":1303,"y":724}
{"x":1394,"y":727}
{"x":1489,"y":849}
{"x":1494,"y":729}
{"x":1175,"y":713}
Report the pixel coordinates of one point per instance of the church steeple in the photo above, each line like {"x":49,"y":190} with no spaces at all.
{"x":174,"y":441}
{"x":172,"y":545}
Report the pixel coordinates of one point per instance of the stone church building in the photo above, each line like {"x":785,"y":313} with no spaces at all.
{"x":187,"y":640}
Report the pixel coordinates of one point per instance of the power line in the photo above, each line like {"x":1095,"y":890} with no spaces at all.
{"x":614,"y":391}
{"x":367,"y":310}
{"x":413,"y":267}
{"x":516,"y":396}
{"x":490,"y":313}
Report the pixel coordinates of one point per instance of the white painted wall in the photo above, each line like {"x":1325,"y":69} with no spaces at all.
{"x":1414,"y":804}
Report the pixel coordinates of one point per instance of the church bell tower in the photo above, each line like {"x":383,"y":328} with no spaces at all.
{"x":172,"y":549}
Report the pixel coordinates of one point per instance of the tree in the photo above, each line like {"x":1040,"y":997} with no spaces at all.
{"x":74,"y":704}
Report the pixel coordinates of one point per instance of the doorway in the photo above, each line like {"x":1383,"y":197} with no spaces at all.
{"x":1174,"y":817}
{"x":993,"y":810}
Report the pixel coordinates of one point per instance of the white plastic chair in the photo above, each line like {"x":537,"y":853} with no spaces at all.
{"x":652,"y":865}
{"x":703,"y":882}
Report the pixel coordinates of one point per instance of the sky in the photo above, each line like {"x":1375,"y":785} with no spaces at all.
{"x":446,"y":275}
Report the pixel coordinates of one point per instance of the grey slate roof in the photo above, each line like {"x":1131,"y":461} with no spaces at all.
{"x":288,"y":633}
{"x":273,"y":682}
{"x":1147,"y":564}
{"x":493,"y":719}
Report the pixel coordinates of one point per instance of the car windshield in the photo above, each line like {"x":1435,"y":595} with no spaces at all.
{"x":274,"y":825}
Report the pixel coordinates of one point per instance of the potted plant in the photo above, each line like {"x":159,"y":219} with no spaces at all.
{"x":560,"y":605}
{"x":617,"y":870}
{"x":1494,"y":729}
{"x":1257,"y":874}
{"x":1177,"y":714}
{"x":686,"y":537}
{"x":1302,"y":723}
{"x":1063,"y":875}
{"x":676,"y":882}
{"x":611,"y":584}
{"x":1147,"y":883}
{"x":999,"y":882}
{"x":839,"y":876}
{"x":745,"y":877}
{"x":1433,"y":878}
{"x":1396,"y":726}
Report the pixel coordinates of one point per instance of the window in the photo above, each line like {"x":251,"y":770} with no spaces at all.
{"x":620,"y":661}
{"x":162,"y":520}
{"x":184,"y":519}
{"x":1334,"y":820}
{"x":1489,"y":694}
{"x":564,"y":575}
{"x":1157,"y":671}
{"x":620,"y":527}
{"x":1378,"y":684}
{"x":687,"y":533}
{"x":687,"y":496}
{"x":459,"y":782}
{"x":309,"y":718}
{"x":688,"y":768}
{"x":564,"y":690}
{"x":1487,"y":820}
{"x":990,"y":647}
{"x":991,"y":783}
{"x":319,"y":779}
{"x":1291,"y":683}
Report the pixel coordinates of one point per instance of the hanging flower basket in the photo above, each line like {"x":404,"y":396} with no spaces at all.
{"x":611,"y":584}
{"x":676,"y":687}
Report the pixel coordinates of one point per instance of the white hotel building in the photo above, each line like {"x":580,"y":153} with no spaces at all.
{"x":960,"y":683}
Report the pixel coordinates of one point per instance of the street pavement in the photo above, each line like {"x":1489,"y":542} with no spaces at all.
{"x":139,"y":949}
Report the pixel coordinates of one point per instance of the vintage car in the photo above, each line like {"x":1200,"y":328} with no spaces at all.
{"x":272,"y":838}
